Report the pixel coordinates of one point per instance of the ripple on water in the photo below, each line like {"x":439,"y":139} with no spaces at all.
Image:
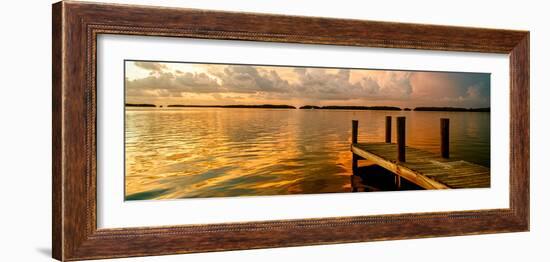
{"x":212,"y":152}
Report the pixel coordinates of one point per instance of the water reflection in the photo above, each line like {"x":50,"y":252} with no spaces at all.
{"x":214,"y":152}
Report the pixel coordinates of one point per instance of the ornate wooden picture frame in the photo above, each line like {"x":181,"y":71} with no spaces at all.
{"x":76,"y":27}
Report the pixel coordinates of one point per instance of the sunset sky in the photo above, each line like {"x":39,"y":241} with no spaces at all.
{"x":214,"y":84}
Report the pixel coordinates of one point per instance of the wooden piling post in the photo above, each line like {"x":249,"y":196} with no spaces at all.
{"x":388,"y":129}
{"x":444,"y":126}
{"x":354,"y":134}
{"x":401,"y":139}
{"x":400,"y":146}
{"x":397,"y":181}
{"x":354,"y":127}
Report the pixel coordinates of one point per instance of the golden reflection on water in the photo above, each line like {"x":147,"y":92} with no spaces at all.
{"x":218,"y":152}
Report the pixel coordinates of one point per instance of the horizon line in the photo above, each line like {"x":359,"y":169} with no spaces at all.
{"x":286,"y":106}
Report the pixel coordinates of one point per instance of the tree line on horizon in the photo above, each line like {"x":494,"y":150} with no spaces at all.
{"x":386,"y":108}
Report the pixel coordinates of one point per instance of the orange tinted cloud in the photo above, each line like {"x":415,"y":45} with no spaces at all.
{"x":185,"y":83}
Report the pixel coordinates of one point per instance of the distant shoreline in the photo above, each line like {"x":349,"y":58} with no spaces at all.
{"x":238,"y":106}
{"x":386,"y":108}
{"x":453,"y":109}
{"x":311,"y":107}
{"x":140,"y":105}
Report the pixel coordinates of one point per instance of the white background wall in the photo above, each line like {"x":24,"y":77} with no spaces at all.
{"x":25,"y":147}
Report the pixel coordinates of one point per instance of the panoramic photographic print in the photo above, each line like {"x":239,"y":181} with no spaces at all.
{"x":197,"y":130}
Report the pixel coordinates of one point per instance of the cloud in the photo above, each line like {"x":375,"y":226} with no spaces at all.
{"x":309,"y":83}
{"x":316,"y":83}
{"x":233,"y":79}
{"x":247,"y":79}
{"x":232,"y":83}
{"x":172,"y":84}
{"x":474,"y":96}
{"x":396,"y":84}
{"x":320,"y":84}
{"x":451,"y":89}
{"x":327,"y":84}
{"x":151,"y":66}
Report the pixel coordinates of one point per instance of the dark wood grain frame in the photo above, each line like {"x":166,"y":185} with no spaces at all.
{"x":76,"y":26}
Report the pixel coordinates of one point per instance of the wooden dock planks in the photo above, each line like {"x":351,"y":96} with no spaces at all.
{"x":426,"y":169}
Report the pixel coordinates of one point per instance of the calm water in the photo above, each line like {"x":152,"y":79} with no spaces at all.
{"x":215,"y":152}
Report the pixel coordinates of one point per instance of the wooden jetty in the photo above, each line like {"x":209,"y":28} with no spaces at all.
{"x":425,"y":169}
